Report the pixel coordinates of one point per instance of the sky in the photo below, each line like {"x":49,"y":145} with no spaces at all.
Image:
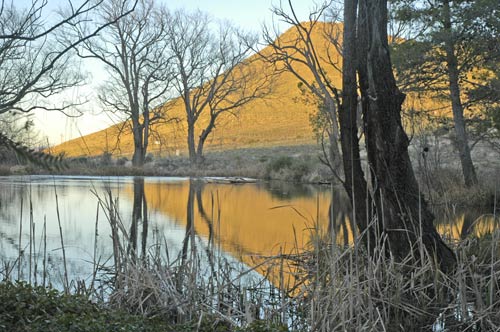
{"x":55,"y":128}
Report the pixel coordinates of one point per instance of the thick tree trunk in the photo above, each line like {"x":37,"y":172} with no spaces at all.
{"x":138,"y":157}
{"x":199,"y":148}
{"x":355,"y":183}
{"x":468,"y":170}
{"x":333,"y":136}
{"x":191,"y":145}
{"x":203,"y":138}
{"x":402,"y":214}
{"x":137,"y":131}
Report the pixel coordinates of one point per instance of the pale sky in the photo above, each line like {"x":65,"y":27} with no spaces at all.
{"x":248,"y":14}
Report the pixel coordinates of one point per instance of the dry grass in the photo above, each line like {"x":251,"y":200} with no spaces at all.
{"x":345,"y":290}
{"x":334,"y":288}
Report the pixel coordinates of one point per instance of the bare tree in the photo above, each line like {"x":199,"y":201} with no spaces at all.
{"x":134,"y":52}
{"x":36,"y":60}
{"x":215,"y":73}
{"x":302,"y":56}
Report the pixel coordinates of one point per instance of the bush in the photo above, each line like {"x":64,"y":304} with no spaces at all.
{"x":121,"y":161}
{"x":149,"y":158}
{"x":287,"y":168}
{"x":278,"y":164}
{"x":105,"y":159}
{"x":28,"y":308}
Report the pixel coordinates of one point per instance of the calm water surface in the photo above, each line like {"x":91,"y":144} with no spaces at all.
{"x":247,"y":222}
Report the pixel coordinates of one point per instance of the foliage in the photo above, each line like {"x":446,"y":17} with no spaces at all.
{"x":24,"y":307}
{"x":29,"y":308}
{"x":105,"y":159}
{"x":287,"y":168}
{"x":420,"y":59}
{"x":38,"y":158}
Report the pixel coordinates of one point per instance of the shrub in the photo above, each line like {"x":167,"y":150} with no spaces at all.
{"x":29,"y":308}
{"x":149,"y":158}
{"x":121,"y":161}
{"x":105,"y":159}
{"x":278,"y":164}
{"x":287,"y":168}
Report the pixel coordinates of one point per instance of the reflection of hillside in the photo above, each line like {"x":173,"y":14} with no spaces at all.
{"x":245,"y":217}
{"x":253,"y":221}
{"x":246,"y":221}
{"x":468,"y":224}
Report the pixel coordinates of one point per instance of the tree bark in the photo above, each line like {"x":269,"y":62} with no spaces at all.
{"x":334,"y":135}
{"x":191,"y":145}
{"x":139,"y":152}
{"x":402,"y":214}
{"x":203,"y":137}
{"x":355,"y":183}
{"x":468,"y":170}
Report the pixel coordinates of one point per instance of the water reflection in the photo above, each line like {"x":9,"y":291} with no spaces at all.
{"x":139,"y":217}
{"x":246,"y":222}
{"x":244,"y":219}
{"x":466,"y":223}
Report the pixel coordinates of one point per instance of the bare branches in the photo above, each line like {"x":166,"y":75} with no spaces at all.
{"x":134,"y":52}
{"x":35,"y":60}
{"x":298,"y":52}
{"x":215,"y":72}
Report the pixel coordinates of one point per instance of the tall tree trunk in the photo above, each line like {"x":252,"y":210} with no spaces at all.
{"x":203,"y":137}
{"x":191,"y":145}
{"x":468,"y":170}
{"x":402,"y":214}
{"x":355,"y":183}
{"x":145,"y":134}
{"x":138,"y":157}
{"x":333,"y":136}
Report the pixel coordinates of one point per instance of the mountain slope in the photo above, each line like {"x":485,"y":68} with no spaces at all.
{"x":282,"y":118}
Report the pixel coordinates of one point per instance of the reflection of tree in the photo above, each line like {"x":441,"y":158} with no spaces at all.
{"x":463,"y":223}
{"x":469,"y":222}
{"x":190,"y":232}
{"x":339,"y":215}
{"x":199,"y":186}
{"x":139,"y":214}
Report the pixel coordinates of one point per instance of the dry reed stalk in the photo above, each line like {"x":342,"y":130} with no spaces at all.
{"x":94,"y":256}
{"x":20,"y":255}
{"x":44,"y":276}
{"x":61,"y":237}
{"x":31,"y":239}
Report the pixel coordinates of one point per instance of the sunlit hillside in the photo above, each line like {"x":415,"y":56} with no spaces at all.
{"x":282,"y":118}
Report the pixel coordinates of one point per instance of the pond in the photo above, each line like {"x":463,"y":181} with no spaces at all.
{"x":245,"y":222}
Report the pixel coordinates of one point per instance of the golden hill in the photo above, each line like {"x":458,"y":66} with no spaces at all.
{"x":282,"y":118}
